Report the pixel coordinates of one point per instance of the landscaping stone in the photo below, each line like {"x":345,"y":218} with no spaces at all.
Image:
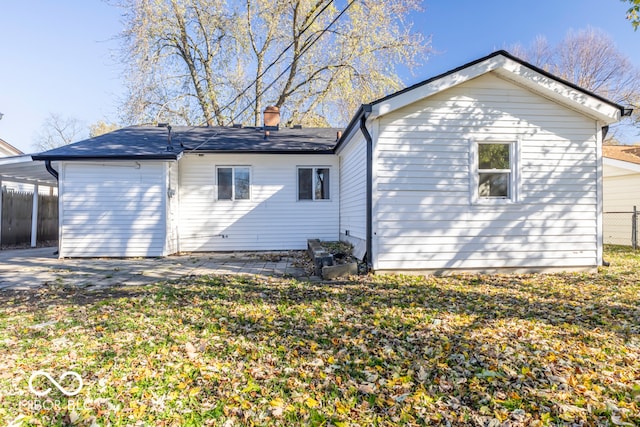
{"x":330,"y":266}
{"x":321,"y":258}
{"x":331,"y":272}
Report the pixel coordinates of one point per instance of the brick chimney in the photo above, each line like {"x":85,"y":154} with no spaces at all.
{"x":271,"y":117}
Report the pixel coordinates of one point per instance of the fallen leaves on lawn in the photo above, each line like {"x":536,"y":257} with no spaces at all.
{"x":503,"y":350}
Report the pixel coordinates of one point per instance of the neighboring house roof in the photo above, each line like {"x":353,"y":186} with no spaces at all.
{"x":7,"y":149}
{"x":625,"y":153}
{"x":507,"y":67}
{"x":621,"y":160}
{"x":150,"y":142}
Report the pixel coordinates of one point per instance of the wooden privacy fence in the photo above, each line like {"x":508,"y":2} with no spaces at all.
{"x":17,"y":209}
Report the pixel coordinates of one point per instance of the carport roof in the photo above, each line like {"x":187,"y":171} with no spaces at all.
{"x":23,"y":169}
{"x":152,"y":143}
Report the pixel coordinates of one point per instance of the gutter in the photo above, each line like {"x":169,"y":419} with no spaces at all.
{"x":50,"y":158}
{"x":248,"y":151}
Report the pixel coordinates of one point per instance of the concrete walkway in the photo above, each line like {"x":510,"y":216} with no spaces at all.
{"x":32,"y":268}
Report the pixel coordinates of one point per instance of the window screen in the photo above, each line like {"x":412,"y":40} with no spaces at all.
{"x":494,"y":170}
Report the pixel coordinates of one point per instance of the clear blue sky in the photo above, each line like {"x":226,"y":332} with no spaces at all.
{"x":59,"y":56}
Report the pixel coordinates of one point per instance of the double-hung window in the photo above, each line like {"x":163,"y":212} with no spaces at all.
{"x":313,"y":183}
{"x":495,"y":171}
{"x":234,"y":182}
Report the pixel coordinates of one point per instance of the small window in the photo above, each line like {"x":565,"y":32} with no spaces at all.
{"x":234,"y":183}
{"x":494,"y":171}
{"x":313,"y":183}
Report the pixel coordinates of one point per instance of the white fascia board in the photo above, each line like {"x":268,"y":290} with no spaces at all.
{"x":631,"y":168}
{"x":517,"y":73}
{"x":559,"y":92}
{"x":446,"y":82}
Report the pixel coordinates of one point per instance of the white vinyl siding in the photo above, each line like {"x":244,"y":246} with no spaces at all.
{"x":353,"y":187}
{"x":425,"y":219}
{"x":273,"y":219}
{"x":113,"y":209}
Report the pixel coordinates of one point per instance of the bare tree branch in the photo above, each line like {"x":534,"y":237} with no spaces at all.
{"x":590,"y":59}
{"x":189,"y":60}
{"x":57,"y":131}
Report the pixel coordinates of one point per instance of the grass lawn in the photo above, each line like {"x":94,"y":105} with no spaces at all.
{"x":561,"y":349}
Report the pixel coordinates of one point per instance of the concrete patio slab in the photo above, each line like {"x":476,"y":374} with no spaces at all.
{"x":32,"y":268}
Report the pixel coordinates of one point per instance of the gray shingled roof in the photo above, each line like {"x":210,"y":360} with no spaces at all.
{"x":146,"y":142}
{"x":285,"y":140}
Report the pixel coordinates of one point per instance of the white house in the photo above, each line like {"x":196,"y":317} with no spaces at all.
{"x":130,"y":193}
{"x":7,"y":149}
{"x":621,"y":192}
{"x":493,"y":165}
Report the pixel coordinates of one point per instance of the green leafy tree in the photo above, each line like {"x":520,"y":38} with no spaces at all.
{"x":101,"y":127}
{"x":633,"y":13}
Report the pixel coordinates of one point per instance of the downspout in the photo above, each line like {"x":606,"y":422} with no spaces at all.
{"x":366,"y":110}
{"x":50,"y":169}
{"x":54,"y":173}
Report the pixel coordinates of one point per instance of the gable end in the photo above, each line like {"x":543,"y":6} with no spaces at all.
{"x":515,"y":70}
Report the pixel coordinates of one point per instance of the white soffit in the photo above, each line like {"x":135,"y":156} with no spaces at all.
{"x":24,"y":170}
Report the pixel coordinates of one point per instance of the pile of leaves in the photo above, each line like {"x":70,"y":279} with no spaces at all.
{"x":558,"y":349}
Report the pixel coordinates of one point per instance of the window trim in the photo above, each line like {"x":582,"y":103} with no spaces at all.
{"x":313,"y":183}
{"x":233,"y":183}
{"x":474,"y":168}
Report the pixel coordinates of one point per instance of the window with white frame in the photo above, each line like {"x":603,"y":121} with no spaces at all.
{"x":495,"y":171}
{"x":313,"y":183}
{"x":234,"y":182}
